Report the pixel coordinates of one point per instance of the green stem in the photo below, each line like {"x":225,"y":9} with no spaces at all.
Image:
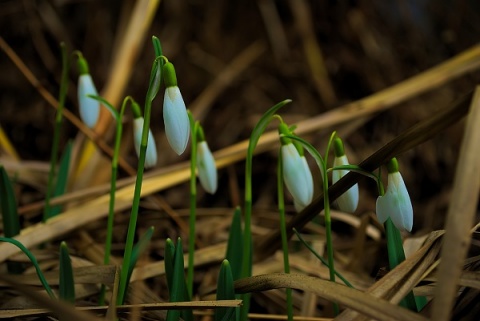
{"x":318,"y":256}
{"x":283,"y":231}
{"x":56,"y":131}
{"x":193,"y":205}
{"x":127,"y":256}
{"x":247,"y":240}
{"x":328,"y":219}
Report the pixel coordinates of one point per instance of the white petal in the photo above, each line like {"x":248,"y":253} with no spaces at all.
{"x":308,"y":179}
{"x":348,"y":201}
{"x":207,"y":171}
{"x":297,"y":206}
{"x":175,"y":117}
{"x":294,"y":175}
{"x":383,"y":208}
{"x":402,"y":215}
{"x":151,"y":153}
{"x":89,"y":108}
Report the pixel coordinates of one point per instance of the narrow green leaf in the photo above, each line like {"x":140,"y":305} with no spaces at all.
{"x":109,"y":106}
{"x":225,"y":290}
{"x":396,"y":255}
{"x":247,"y":239}
{"x":234,"y":253}
{"x":11,"y":221}
{"x":66,"y":282}
{"x":32,"y":258}
{"x":318,"y":256}
{"x":62,"y":179}
{"x":311,"y":150}
{"x":138,"y":250}
{"x":169,"y":257}
{"x":178,"y":281}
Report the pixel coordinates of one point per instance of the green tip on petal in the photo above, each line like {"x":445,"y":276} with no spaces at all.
{"x":82,"y":65}
{"x":392,"y":166}
{"x":200,"y":134}
{"x":169,"y":75}
{"x":396,"y":203}
{"x":338,"y":147}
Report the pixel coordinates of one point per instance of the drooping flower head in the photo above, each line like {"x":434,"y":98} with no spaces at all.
{"x":296,"y":172}
{"x":207,"y":170}
{"x":348,"y":201}
{"x":396,"y":202}
{"x":138,"y":123}
{"x":151,"y":153}
{"x":89,"y":108}
{"x":175,"y":117}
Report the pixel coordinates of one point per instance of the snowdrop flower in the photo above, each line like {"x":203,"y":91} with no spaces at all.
{"x":396,"y":202}
{"x":175,"y":117}
{"x":348,"y":201}
{"x":296,"y":172}
{"x":151,"y":153}
{"x":207,"y":170}
{"x":89,"y":108}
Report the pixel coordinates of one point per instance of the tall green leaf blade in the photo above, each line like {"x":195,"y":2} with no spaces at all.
{"x":62,"y":179}
{"x":175,"y":273}
{"x":178,"y":289}
{"x":234,"y":253}
{"x":11,"y":221}
{"x":169,"y":257}
{"x":66,"y":282}
{"x":138,"y":250}
{"x":225,"y":291}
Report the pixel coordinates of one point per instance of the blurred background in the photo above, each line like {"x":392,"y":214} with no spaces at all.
{"x":234,"y":60}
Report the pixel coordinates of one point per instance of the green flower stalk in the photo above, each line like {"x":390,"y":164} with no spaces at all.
{"x":395,"y":204}
{"x":127,"y":257}
{"x":56,"y":133}
{"x":175,"y":117}
{"x":89,"y":108}
{"x":348,"y":201}
{"x":283,"y":231}
{"x":207,"y":170}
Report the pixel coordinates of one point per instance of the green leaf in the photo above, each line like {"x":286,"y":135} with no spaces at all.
{"x":138,"y":250}
{"x":11,"y":221}
{"x":178,"y":289}
{"x":62,"y":179}
{"x":34,"y":262}
{"x":396,"y":255}
{"x":109,"y":106}
{"x":169,"y":257}
{"x":66,"y":282}
{"x":235,"y":244}
{"x":225,"y":290}
{"x":324,"y":262}
{"x":247,"y":239}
